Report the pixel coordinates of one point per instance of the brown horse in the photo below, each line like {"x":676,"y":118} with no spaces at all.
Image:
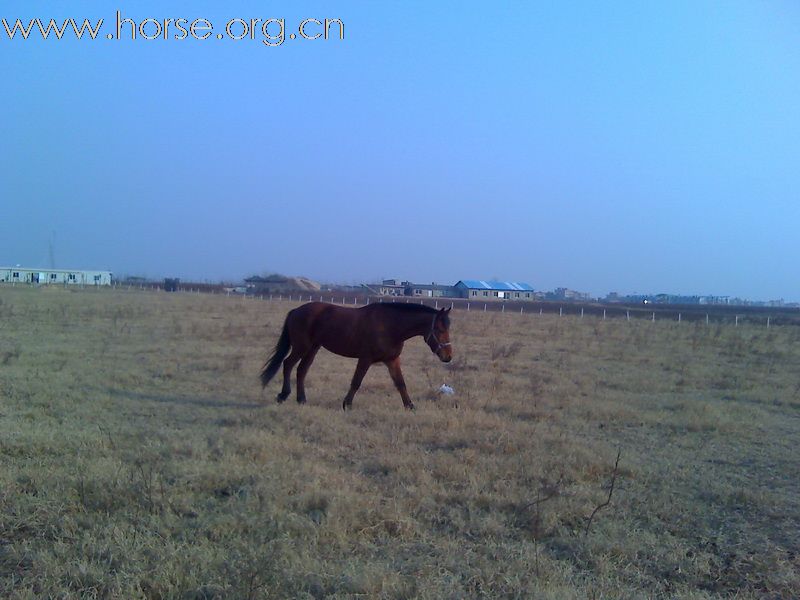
{"x":373,"y":333}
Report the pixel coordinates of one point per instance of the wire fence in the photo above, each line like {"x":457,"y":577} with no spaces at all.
{"x":713,"y":315}
{"x":708,"y":314}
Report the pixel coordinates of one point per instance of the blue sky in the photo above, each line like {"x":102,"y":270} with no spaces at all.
{"x":647,"y":147}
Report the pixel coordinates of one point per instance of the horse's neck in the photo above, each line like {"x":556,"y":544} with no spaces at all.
{"x":419,"y":325}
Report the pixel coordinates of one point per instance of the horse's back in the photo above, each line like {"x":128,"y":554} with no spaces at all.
{"x":314,"y":319}
{"x":311,"y":311}
{"x":369,"y":331}
{"x":335,"y":328}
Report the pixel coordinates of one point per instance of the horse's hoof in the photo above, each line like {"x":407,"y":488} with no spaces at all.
{"x":281,"y":397}
{"x":345,"y":406}
{"x":301,"y":400}
{"x":410,"y":406}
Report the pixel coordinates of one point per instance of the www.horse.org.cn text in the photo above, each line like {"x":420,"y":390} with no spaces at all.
{"x":271,"y":32}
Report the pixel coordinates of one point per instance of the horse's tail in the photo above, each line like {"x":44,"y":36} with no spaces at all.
{"x":281,"y":350}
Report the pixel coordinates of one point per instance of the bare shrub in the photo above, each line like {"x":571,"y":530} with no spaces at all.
{"x":505,"y":351}
{"x":10,"y":355}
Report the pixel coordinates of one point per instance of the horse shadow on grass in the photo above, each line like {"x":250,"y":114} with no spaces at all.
{"x":191,"y":401}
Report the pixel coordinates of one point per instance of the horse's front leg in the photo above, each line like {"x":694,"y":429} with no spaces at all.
{"x":361,"y":369}
{"x":397,"y":376}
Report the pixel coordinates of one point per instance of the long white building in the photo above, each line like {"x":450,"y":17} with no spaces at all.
{"x":54,"y":276}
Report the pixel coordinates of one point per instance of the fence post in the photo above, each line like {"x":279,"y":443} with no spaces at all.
{"x":581,"y":312}
{"x":520,"y":309}
{"x":628,"y":314}
{"x":484,"y":307}
{"x":679,"y":317}
{"x":467,"y":306}
{"x":437,"y":305}
{"x":560,"y":311}
{"x":654,"y":316}
{"x":604,"y":314}
{"x":706,"y":318}
{"x":540,"y":312}
{"x":767,"y":322}
{"x":503,"y":308}
{"x":737,"y":321}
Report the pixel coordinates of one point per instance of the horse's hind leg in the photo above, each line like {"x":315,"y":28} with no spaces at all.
{"x":288,"y":365}
{"x":302,"y":369}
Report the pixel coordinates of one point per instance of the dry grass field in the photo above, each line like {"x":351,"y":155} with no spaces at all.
{"x":138,"y":458}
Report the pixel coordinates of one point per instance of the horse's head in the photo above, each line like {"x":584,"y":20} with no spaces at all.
{"x":438,"y":339}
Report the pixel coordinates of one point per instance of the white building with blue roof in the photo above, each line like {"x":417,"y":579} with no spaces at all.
{"x":478,"y":289}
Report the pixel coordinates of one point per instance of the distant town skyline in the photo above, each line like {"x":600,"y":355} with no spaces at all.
{"x":602,"y":147}
{"x":350,"y":281}
{"x":56,"y":275}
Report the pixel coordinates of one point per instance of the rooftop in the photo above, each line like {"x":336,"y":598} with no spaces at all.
{"x":504,"y":286}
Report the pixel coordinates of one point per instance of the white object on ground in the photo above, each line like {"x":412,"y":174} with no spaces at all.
{"x":446,"y":389}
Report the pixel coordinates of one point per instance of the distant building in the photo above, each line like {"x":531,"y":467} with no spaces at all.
{"x":396,"y":287}
{"x":432,"y":290}
{"x":677,"y":299}
{"x":279,"y":284}
{"x":54,"y":276}
{"x":392,"y":287}
{"x":476,"y":289}
{"x":569,"y":295}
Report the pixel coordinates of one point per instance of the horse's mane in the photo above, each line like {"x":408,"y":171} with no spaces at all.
{"x":405,"y":307}
{"x":413,"y":308}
